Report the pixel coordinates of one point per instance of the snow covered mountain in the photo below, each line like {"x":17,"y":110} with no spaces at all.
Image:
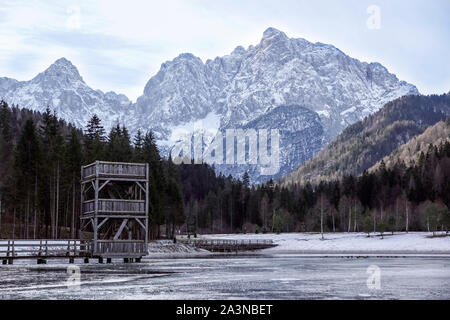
{"x":247,"y":84}
{"x":62,"y":89}
{"x":245,"y":89}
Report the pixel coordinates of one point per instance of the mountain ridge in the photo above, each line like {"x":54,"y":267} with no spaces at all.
{"x":361,"y":145}
{"x":62,"y":88}
{"x":239,"y":88}
{"x":409,"y":152}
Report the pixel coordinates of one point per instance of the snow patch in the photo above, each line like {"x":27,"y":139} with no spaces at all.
{"x":208,"y":126}
{"x":349,"y":110}
{"x":408,"y":243}
{"x":323,"y":113}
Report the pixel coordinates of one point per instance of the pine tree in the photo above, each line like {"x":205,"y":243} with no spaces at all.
{"x":74,"y":158}
{"x":53,"y":152}
{"x":174,"y":206}
{"x":367,"y":225}
{"x":27,"y":168}
{"x":157,"y":196}
{"x":138,"y":146}
{"x":125,"y":144}
{"x":94,"y":140}
{"x":119,"y":146}
{"x":246,"y":179}
{"x":5,"y":122}
{"x":6,"y":156}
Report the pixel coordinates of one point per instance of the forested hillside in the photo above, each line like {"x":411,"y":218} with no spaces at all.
{"x":409,"y":152}
{"x":41,"y":158}
{"x":39,"y":187}
{"x":366,"y":142}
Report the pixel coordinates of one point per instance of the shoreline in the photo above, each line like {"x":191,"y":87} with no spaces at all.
{"x":362,"y":253}
{"x":310,"y":244}
{"x":413,"y":244}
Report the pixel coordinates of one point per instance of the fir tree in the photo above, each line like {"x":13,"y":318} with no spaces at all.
{"x":27,"y":168}
{"x":94,"y":140}
{"x":74,"y":158}
{"x":157,"y":197}
{"x":138,"y":146}
{"x":53,"y":152}
{"x":174,"y":206}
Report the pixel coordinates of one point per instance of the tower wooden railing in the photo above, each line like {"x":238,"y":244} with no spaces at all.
{"x":114,"y":169}
{"x":114,"y":206}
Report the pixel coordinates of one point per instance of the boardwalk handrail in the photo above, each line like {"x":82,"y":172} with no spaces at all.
{"x":42,"y":247}
{"x":229,"y":244}
{"x":10,"y":249}
{"x":215,"y":242}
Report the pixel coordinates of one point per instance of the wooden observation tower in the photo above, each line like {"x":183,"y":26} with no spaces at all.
{"x":114,"y":207}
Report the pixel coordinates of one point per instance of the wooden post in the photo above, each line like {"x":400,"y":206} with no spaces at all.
{"x":96,"y":206}
{"x":81,"y":206}
{"x":147,"y":176}
{"x":1,"y":211}
{"x":40,"y":248}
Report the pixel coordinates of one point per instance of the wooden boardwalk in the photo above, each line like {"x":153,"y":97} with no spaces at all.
{"x":45,"y":249}
{"x":223,"y":245}
{"x":129,"y":250}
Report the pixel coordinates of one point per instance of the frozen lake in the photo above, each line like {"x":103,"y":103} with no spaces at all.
{"x":234,"y":277}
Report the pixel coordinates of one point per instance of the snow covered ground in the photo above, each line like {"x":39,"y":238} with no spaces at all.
{"x":305,"y":243}
{"x":352,"y":243}
{"x":166,"y":248}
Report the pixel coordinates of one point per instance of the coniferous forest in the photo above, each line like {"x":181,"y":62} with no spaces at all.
{"x":40,"y":165}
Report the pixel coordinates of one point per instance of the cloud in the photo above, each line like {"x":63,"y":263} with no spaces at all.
{"x":118,"y":45}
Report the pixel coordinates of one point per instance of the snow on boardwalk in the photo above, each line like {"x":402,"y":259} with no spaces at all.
{"x":349,"y":243}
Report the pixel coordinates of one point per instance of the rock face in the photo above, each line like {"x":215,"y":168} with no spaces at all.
{"x":301,"y":137}
{"x":319,"y":84}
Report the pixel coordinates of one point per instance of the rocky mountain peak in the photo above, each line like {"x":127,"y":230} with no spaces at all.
{"x":272,"y":33}
{"x":61,"y":71}
{"x":274,"y":38}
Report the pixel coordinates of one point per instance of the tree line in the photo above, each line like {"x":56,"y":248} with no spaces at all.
{"x":41,"y":157}
{"x":40,"y":165}
{"x":404,"y":197}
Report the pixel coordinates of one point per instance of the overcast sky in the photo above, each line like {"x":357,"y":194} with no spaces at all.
{"x":119,"y":45}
